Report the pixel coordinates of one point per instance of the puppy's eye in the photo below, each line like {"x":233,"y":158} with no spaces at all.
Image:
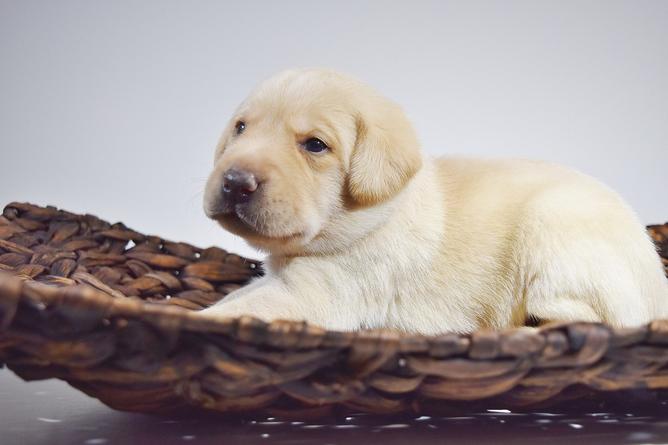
{"x":240,"y":126}
{"x":314,"y":145}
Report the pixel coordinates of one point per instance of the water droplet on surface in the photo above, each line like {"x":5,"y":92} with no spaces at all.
{"x":499,"y":411}
{"x":640,"y":436}
{"x":48,"y":420}
{"x":264,"y":436}
{"x":576,"y":426}
{"x":422,"y":418}
{"x":188,"y":437}
{"x":395,"y":426}
{"x":638,"y":418}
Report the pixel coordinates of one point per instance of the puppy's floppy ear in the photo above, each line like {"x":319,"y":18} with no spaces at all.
{"x":386,"y":153}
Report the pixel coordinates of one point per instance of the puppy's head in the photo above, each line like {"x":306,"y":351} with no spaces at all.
{"x":303,"y":148}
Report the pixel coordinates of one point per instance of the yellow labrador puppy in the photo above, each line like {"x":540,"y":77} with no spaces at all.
{"x":363,"y":231}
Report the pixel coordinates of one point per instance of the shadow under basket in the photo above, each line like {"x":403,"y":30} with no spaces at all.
{"x":113,"y":313}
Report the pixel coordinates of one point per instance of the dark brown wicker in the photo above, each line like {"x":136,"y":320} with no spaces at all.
{"x":111,"y":311}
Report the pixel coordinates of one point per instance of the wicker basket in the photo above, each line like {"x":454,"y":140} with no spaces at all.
{"x":111,"y":311}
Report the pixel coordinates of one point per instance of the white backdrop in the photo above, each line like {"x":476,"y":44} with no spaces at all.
{"x":114,"y":107}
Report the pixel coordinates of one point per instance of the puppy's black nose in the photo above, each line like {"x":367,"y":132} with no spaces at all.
{"x":238,"y":185}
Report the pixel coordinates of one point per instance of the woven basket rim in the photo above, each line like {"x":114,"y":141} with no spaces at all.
{"x":176,"y":318}
{"x":288,"y":334}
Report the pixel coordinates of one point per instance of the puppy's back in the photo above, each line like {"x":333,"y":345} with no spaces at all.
{"x":559,"y":226}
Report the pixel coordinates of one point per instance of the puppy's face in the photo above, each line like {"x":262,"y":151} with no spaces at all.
{"x":304,"y":148}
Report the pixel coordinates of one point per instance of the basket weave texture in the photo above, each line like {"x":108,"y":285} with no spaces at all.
{"x":113,"y":312}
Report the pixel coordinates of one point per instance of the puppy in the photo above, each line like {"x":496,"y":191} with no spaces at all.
{"x":363,"y":231}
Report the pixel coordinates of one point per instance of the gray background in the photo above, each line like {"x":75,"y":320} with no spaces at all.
{"x":114,"y":107}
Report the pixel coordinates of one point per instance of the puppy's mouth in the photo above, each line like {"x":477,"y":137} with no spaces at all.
{"x":244,"y":223}
{"x":235,"y":218}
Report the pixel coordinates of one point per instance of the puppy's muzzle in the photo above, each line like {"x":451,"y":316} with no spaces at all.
{"x":238,"y":187}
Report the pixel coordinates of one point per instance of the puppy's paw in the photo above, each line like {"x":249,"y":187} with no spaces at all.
{"x":235,"y":309}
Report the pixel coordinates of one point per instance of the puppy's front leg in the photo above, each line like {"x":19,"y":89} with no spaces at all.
{"x":269,"y":299}
{"x":261,"y":299}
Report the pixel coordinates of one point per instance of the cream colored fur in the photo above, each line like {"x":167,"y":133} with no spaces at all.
{"x":371,"y":234}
